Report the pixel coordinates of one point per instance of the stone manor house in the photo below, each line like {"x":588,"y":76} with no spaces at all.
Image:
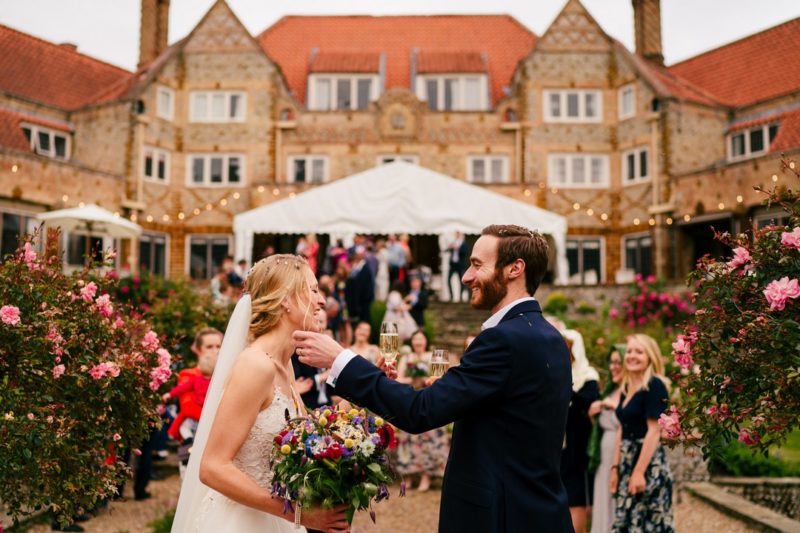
{"x":641,"y":158}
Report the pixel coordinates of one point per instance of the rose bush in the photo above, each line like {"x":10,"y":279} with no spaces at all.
{"x":740,"y":357}
{"x":78,"y":380}
{"x":650,"y":303}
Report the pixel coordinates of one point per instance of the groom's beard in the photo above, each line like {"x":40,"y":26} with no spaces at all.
{"x":491,"y":292}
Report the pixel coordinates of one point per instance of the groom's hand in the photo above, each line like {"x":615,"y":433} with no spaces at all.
{"x":316,"y":349}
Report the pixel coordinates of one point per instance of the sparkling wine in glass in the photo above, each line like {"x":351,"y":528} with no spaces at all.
{"x":440,"y":362}
{"x":389,"y":342}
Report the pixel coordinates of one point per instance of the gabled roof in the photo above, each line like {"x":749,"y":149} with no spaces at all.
{"x":52,"y":74}
{"x":501,"y":38}
{"x":433,"y":62}
{"x":788,"y":129}
{"x":11,"y":134}
{"x":345,"y":62}
{"x":752,"y":69}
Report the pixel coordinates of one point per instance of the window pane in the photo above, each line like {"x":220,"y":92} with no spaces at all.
{"x":560,"y":170}
{"x":630,"y":167}
{"x":145,"y":255}
{"x":643,"y":164}
{"x":236,"y":106}
{"x":61,"y":145}
{"x":148,"y":164}
{"x":572,"y":257}
{"x":364,"y":87}
{"x":200,"y":106}
{"x":773,"y":132}
{"x":591,"y":261}
{"x":578,"y":170}
{"x":645,"y":248}
{"x":198,"y":262}
{"x":627,"y":102}
{"x":234,"y":164}
{"x":572,"y":105}
{"x":216,"y":170}
{"x":27,"y":132}
{"x":343,"y":99}
{"x":217,"y":106}
{"x":219,"y":249}
{"x":432,"y":93}
{"x":478,"y":170}
{"x":10,"y":236}
{"x":757,"y":140}
{"x":449,"y":93}
{"x":472,"y":94}
{"x":198,"y":164}
{"x":497,"y":170}
{"x":44,"y":141}
{"x":77,"y":248}
{"x":317,"y":170}
{"x":159,"y":257}
{"x":555,"y":105}
{"x":164,"y":103}
{"x":737,"y":144}
{"x":591,"y":104}
{"x":631,"y":255}
{"x":598,"y":170}
{"x":323,"y":95}
{"x":162,"y":166}
{"x":300,"y":170}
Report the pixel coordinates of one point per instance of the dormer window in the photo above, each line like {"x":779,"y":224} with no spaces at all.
{"x":332,"y":92}
{"x":454,"y":92}
{"x":47,"y":142}
{"x":751,"y":142}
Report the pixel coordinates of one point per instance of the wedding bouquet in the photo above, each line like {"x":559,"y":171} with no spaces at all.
{"x":331,"y":458}
{"x":417,"y":370}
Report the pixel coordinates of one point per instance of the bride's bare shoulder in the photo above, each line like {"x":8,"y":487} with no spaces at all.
{"x":254,"y":363}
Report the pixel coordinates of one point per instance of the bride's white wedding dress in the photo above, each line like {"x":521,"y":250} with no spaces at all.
{"x":220,"y":514}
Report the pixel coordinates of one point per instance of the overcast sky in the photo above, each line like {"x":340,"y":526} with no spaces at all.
{"x":109,"y":29}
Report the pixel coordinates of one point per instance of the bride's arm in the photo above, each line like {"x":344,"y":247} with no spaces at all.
{"x":249,"y":387}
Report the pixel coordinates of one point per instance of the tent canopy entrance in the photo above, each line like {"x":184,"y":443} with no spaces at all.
{"x":398,"y":197}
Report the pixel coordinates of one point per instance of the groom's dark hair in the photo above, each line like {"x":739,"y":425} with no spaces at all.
{"x":517,"y":242}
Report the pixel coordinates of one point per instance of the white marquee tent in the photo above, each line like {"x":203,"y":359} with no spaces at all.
{"x":398,"y":197}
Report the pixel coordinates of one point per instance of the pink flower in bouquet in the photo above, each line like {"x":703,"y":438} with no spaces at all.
{"x":748,"y":437}
{"x":682,"y":350}
{"x":778,"y":292}
{"x":791,"y":239}
{"x":150,"y":341}
{"x":9,"y":314}
{"x":104,"y":305}
{"x":58,"y":371}
{"x":741,"y":257}
{"x":89,"y":291}
{"x":670,"y":423}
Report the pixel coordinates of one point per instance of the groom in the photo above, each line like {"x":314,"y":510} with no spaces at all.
{"x":508,"y":397}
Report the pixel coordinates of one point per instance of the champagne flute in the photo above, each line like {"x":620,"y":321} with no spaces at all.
{"x":440,"y":362}
{"x":389,"y":342}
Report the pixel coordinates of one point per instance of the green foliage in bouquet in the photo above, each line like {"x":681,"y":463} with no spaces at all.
{"x":174,"y":307}
{"x":78,"y":381}
{"x":740,"y":359}
{"x":417,"y":370}
{"x":332,"y":458}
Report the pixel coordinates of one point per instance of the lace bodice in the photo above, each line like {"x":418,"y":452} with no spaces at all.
{"x":253,"y":456}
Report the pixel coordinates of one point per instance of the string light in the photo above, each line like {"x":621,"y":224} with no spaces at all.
{"x":739,"y":199}
{"x":236,"y":196}
{"x":223,"y":202}
{"x":590,"y":211}
{"x":165,"y":218}
{"x":604,"y":217}
{"x":14,"y":168}
{"x":669,"y":221}
{"x":181,"y":216}
{"x":791,"y":164}
{"x":554,"y":190}
{"x":275,"y":191}
{"x":260,"y":188}
{"x":81,"y":205}
{"x":149,"y":218}
{"x":652,"y":222}
{"x":116,"y":214}
{"x":134,"y":217}
{"x":576,"y":206}
{"x":527,"y":192}
{"x":292,"y":195}
{"x":687,"y":218}
{"x":542,"y":185}
{"x":721,"y":206}
{"x":196,"y":211}
{"x":775,"y":178}
{"x":65,"y":198}
{"x":209,"y":207}
{"x":636,"y":221}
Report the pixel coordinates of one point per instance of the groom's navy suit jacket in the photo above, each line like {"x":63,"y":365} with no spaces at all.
{"x":509,"y":399}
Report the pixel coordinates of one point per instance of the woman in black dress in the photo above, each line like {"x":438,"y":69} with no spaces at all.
{"x":574,"y":456}
{"x":640,"y":475}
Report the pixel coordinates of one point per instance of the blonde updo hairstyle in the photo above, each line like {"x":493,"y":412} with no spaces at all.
{"x":270,"y":282}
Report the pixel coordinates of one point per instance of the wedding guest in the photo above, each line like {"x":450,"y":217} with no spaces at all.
{"x":340,"y":277}
{"x":459,"y":254}
{"x":334,"y":308}
{"x":397,"y":311}
{"x":640,"y":474}
{"x":417,"y":300}
{"x":382,"y":277}
{"x":311,"y":251}
{"x":359,"y":288}
{"x":221,"y":290}
{"x":361,"y":343}
{"x":574,"y":458}
{"x":396,"y":258}
{"x":601,"y":445}
{"x":424,"y":454}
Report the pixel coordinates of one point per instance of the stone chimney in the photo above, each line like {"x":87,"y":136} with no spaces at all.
{"x":647,"y":25}
{"x":154,"y":30}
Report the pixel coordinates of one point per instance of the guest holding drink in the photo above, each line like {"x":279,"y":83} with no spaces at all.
{"x":426,"y":453}
{"x":574,"y":458}
{"x":640,"y":474}
{"x":361,"y":343}
{"x":601,"y":445}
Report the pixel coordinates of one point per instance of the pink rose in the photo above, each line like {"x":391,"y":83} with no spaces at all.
{"x":613,"y":313}
{"x":682,"y":350}
{"x":29,"y":256}
{"x":9,"y":314}
{"x":97,"y":372}
{"x":30,"y":416}
{"x":159,"y":376}
{"x":150,"y":341}
{"x":137,"y":451}
{"x":164,"y":359}
{"x":117,"y":437}
{"x":670,"y":423}
{"x":89,"y":291}
{"x":777,"y":293}
{"x":741,"y":257}
{"x":58,"y":371}
{"x":749,"y":437}
{"x":104,"y":306}
{"x":791,"y":239}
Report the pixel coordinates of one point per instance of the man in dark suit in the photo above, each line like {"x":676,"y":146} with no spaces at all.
{"x":318,"y":392}
{"x":508,"y":397}
{"x":359,"y":290}
{"x":458,"y":258}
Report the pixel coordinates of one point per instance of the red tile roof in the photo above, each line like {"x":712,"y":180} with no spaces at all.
{"x":788,"y":132}
{"x":432,"y":62}
{"x":51,"y":74}
{"x":501,"y":38}
{"x":756,"y":68}
{"x":11,"y":134}
{"x":327,"y":61}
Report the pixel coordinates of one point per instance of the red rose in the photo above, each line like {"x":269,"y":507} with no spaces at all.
{"x":334,"y":451}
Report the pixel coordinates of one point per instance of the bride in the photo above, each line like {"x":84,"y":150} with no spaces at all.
{"x":227,"y":483}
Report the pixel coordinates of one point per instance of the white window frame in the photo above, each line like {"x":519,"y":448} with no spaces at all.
{"x":780,"y":217}
{"x":207,"y":118}
{"x":309,"y":164}
{"x":35,"y":130}
{"x":563,"y":98}
{"x":637,"y":165}
{"x":569,"y":183}
{"x":148,"y":236}
{"x":408,"y":158}
{"x":487,"y":165}
{"x":748,"y":153}
{"x":188,"y":249}
{"x":601,"y":276}
{"x":155,"y":152}
{"x":459,"y":95}
{"x":333,"y":79}
{"x":169,"y":112}
{"x":28,"y":223}
{"x":621,"y":94}
{"x":624,"y":247}
{"x":207,"y":170}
